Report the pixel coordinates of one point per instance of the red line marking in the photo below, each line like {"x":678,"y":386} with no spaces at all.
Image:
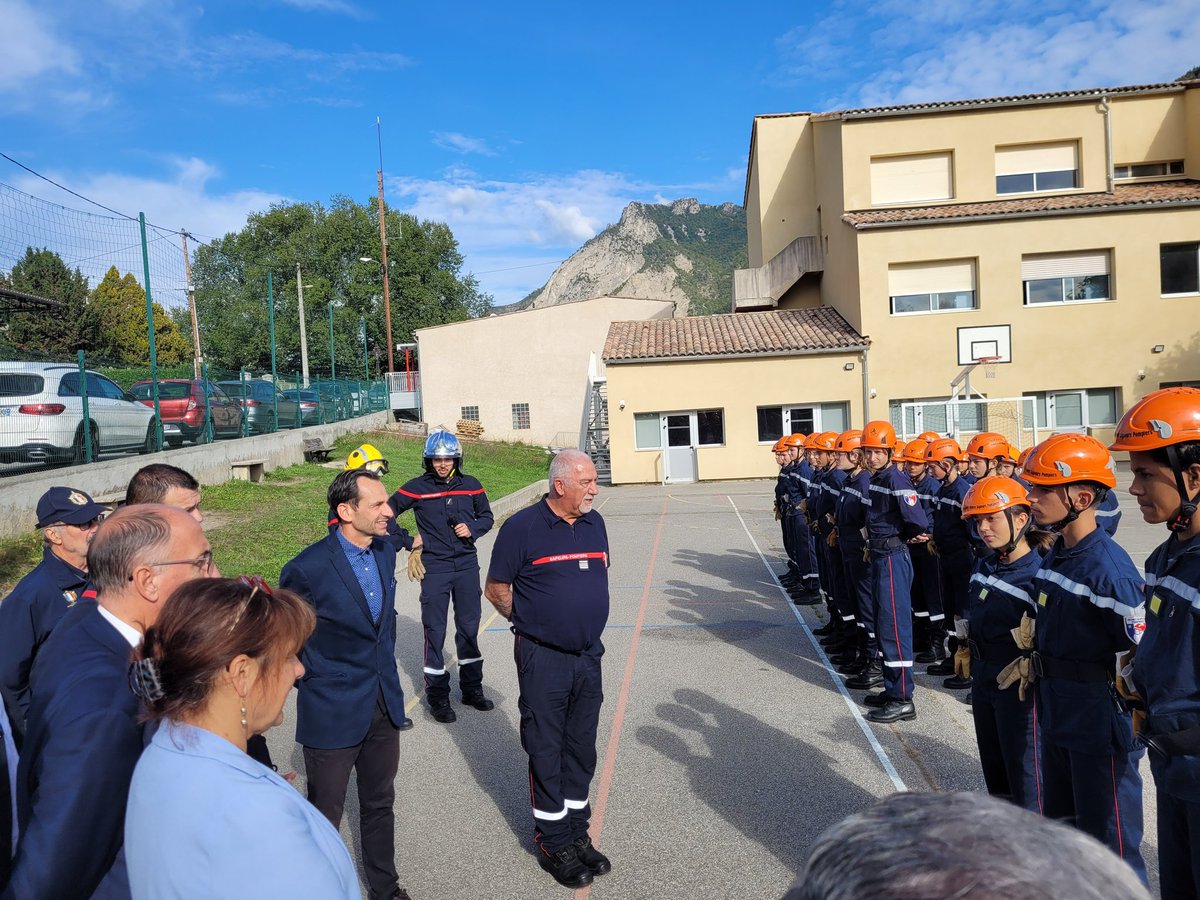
{"x":614,"y":737}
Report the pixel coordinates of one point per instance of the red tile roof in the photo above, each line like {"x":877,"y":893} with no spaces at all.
{"x":780,"y":332}
{"x":1124,"y":197}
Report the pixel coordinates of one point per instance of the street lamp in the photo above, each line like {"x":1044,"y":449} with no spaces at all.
{"x":387,"y":301}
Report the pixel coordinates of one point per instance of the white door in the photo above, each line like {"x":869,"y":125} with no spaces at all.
{"x":1065,"y":411}
{"x":679,"y":447}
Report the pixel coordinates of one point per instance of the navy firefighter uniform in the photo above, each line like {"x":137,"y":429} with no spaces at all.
{"x":559,"y":577}
{"x":853,"y":502}
{"x":831,"y":480}
{"x":451,"y":567}
{"x":894,"y":518}
{"x":1089,"y":599}
{"x":800,"y":477}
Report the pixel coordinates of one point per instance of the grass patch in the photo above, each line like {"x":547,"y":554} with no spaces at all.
{"x":257,"y":528}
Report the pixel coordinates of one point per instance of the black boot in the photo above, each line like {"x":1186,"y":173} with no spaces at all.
{"x":439,"y":706}
{"x":591,"y":857}
{"x":473,"y":697}
{"x":871,"y":676}
{"x":945,"y":665}
{"x":893,"y":711}
{"x":828,"y":628}
{"x":566,"y":867}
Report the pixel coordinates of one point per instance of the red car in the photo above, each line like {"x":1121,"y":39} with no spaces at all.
{"x":184,"y":404}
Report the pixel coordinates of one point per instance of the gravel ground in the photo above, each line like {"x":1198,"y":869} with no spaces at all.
{"x":725,"y":746}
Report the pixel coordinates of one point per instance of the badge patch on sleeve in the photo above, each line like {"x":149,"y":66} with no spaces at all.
{"x":1042,"y":599}
{"x":909,"y":498}
{"x":1135,"y":625}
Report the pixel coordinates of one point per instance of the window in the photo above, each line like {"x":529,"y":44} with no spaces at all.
{"x":1171,"y":384}
{"x":1148,"y":170}
{"x":520,"y":413}
{"x":835,"y":417}
{"x":646,"y":432}
{"x":15,"y":384}
{"x":470,"y":413}
{"x":1179,"y":268}
{"x":770,"y":423}
{"x":932,"y":286}
{"x":911,"y":179}
{"x":710,"y":425}
{"x":1027,"y":168}
{"x":938,"y":414}
{"x":99,"y":386}
{"x":1075,"y":409}
{"x":1065,"y":278}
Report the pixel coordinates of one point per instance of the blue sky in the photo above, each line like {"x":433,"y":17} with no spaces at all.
{"x":526,"y":126}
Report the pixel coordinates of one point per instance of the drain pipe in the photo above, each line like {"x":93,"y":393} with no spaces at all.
{"x":866,"y":388}
{"x":1109,"y":162}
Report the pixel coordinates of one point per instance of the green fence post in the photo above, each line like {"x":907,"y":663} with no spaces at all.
{"x":274,"y":378}
{"x":210,"y":433}
{"x":245,"y":407}
{"x":86,"y":424}
{"x":150,"y":335}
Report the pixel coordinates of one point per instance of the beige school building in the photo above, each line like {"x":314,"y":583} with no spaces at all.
{"x":1034,"y":259}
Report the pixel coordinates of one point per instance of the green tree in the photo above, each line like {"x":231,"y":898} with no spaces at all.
{"x":1190,"y":74}
{"x":119,"y":305}
{"x":329,"y":244}
{"x":59,"y":334}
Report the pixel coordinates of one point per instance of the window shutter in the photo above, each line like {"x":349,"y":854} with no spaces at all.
{"x":1026,"y":158}
{"x":1063,"y":265}
{"x":908,"y":179}
{"x":931,"y":277}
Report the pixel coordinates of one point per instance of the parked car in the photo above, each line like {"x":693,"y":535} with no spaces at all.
{"x":310,"y":405}
{"x":335,"y":398}
{"x":41,"y":414}
{"x":260,"y":402}
{"x":184,"y":405}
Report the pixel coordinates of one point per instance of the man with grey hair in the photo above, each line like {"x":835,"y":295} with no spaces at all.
{"x":966,"y":846}
{"x":84,"y":738}
{"x":549,"y":578}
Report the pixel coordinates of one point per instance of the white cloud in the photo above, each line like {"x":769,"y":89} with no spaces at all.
{"x":461,"y":143}
{"x":340,"y":7}
{"x":29,"y":48}
{"x":93,"y":239}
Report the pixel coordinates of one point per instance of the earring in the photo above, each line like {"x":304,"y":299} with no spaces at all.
{"x":243,"y":714}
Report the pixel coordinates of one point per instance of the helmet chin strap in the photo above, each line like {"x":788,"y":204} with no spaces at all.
{"x":1072,"y":512}
{"x":1014,"y":536}
{"x":1182,"y":520}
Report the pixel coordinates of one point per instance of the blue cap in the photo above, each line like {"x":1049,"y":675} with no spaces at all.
{"x":67,"y":506}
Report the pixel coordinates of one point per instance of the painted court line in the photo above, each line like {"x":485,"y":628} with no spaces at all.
{"x":614,"y":737}
{"x":880,"y":753}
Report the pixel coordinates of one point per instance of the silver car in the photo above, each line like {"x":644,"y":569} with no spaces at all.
{"x":41,"y":414}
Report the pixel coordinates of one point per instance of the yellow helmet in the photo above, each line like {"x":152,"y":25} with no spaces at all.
{"x":369,"y":458}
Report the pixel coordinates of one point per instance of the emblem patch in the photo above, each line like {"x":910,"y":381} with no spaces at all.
{"x":1042,"y":599}
{"x":1135,"y":625}
{"x":70,"y":597}
{"x":77,"y":498}
{"x":910,"y":498}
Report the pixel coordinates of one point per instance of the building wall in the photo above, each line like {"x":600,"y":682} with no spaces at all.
{"x":781,"y":178}
{"x":739,"y":387}
{"x":538,"y":356}
{"x":1150,"y":129}
{"x":1078,"y":345}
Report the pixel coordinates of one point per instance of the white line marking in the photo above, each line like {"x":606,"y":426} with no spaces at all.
{"x":884,"y":761}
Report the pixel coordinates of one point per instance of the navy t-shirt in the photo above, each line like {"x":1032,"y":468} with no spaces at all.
{"x":559,"y":575}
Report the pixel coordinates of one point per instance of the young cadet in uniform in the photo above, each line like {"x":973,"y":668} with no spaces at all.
{"x":866,"y":669}
{"x":68,"y":520}
{"x":549,"y":577}
{"x":782,"y":459}
{"x":927,"y":631}
{"x":984,"y":453}
{"x":811,"y":455}
{"x":452,"y":511}
{"x":1161,"y":433}
{"x":804,"y":590}
{"x":842,"y":645}
{"x":952,"y":549}
{"x":895,"y":517}
{"x":1000,"y":594}
{"x":1089,"y":597}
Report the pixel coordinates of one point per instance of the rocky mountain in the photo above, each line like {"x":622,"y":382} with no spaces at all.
{"x":683,"y":251}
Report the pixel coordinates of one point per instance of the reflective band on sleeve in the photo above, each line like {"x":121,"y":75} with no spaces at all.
{"x":899,"y":665}
{"x":576,"y":804}
{"x":467,"y":662}
{"x":1082,"y":590}
{"x":440,"y":494}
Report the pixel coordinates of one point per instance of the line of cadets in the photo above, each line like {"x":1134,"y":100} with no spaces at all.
{"x":1000,"y":571}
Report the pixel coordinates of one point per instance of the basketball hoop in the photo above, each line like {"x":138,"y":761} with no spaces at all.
{"x":989,"y":365}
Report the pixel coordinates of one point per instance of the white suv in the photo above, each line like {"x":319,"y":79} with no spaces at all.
{"x":41,"y":415}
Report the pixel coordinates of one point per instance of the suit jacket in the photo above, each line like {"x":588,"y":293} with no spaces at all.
{"x":206,"y":821}
{"x":81,"y":745}
{"x":350,"y":659}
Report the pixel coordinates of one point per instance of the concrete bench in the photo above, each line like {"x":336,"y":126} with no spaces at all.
{"x":248,"y":469}
{"x":317,"y":449}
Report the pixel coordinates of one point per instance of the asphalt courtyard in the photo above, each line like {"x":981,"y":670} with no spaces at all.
{"x":726,"y":743}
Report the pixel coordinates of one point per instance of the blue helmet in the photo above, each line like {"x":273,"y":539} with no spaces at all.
{"x":442,"y":445}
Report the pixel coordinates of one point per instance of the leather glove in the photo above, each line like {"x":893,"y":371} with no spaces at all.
{"x":1016,"y":672}
{"x":416,"y":568}
{"x":831,"y":540}
{"x":778,"y":514}
{"x":1139,"y":721}
{"x":1023,"y":633}
{"x":1122,"y":682}
{"x":866,"y":553}
{"x":933,"y":550}
{"x":962,"y":660}
{"x":803,"y":507}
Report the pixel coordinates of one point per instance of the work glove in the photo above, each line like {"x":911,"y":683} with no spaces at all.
{"x":803,"y":507}
{"x":831,"y":538}
{"x":866,"y":553}
{"x":416,"y":568}
{"x":1124,"y":686}
{"x":1019,"y":671}
{"x":778,"y":514}
{"x":962,"y":653}
{"x":933,"y":550}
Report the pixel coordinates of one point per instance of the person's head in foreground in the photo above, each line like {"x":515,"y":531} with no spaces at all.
{"x":223,"y":656}
{"x":935,"y":846}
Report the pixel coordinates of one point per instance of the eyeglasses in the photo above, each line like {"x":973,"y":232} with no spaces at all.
{"x":89,"y":525}
{"x":255,"y":584}
{"x":203,"y":563}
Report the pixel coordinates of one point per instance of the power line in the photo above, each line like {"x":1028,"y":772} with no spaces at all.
{"x":514,"y":268}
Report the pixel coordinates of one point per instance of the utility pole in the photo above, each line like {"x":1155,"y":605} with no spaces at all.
{"x":303,"y":336}
{"x":191,"y":292}
{"x":387,"y":302}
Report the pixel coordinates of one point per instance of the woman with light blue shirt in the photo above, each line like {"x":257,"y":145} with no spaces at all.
{"x":205,"y":820}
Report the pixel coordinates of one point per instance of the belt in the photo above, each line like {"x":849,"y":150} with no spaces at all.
{"x":1071,"y":669}
{"x":995,"y":651}
{"x":1174,"y":743}
{"x":546,"y":644}
{"x":886,"y":545}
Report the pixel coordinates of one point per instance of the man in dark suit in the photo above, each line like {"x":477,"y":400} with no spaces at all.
{"x":350,"y":706}
{"x":83,"y":737}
